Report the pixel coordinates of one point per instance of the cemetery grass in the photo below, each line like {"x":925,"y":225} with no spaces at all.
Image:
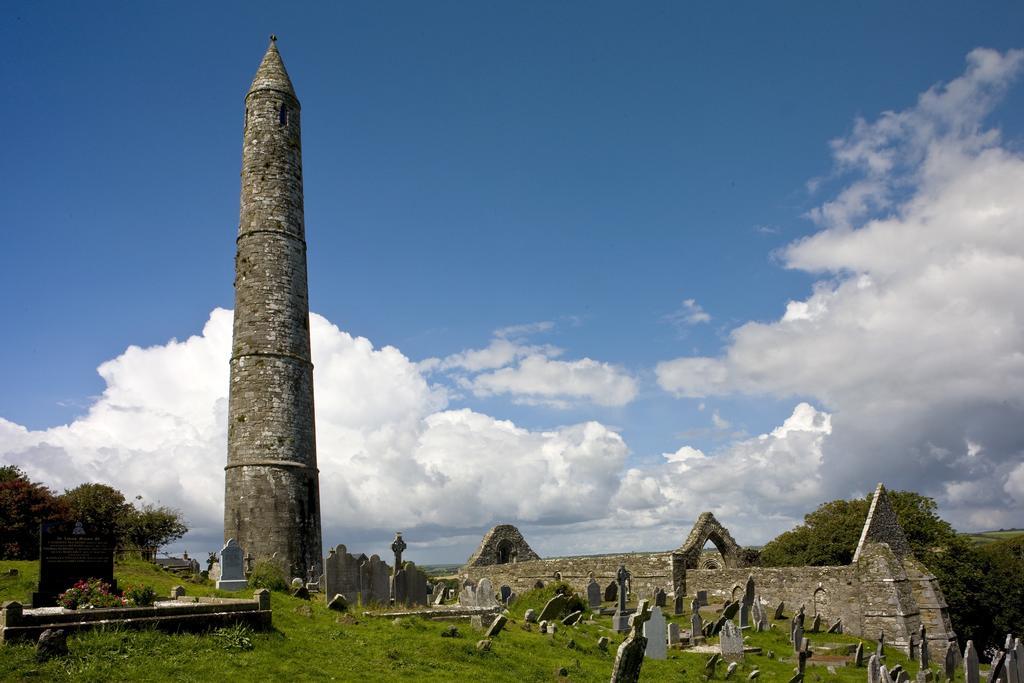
{"x":310,"y":642}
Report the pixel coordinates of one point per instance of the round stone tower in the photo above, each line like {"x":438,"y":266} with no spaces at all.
{"x":272,"y":487}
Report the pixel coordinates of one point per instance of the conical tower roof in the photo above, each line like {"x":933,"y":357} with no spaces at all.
{"x":272,"y":75}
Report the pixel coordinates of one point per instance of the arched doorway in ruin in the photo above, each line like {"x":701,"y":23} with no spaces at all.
{"x":689,"y":554}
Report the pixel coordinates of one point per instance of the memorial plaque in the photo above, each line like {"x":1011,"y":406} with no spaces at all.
{"x":70,"y":552}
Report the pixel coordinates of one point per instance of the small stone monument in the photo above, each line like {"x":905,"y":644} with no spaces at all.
{"x":232,"y":576}
{"x":593,"y":594}
{"x":673,"y":634}
{"x":660,"y":597}
{"x":730,"y":638}
{"x":654,"y":632}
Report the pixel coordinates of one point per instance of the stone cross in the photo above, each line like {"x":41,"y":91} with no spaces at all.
{"x":398,"y":546}
{"x":630,"y":655}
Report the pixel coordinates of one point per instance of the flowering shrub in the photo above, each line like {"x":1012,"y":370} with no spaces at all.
{"x":139,"y":596}
{"x":90,"y":593}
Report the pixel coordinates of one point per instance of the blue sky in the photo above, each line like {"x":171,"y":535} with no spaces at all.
{"x":473,"y":166}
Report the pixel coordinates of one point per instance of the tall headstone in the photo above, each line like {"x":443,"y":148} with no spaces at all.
{"x":70,"y":552}
{"x":673,"y":634}
{"x":1010,"y":665}
{"x":996,"y":670}
{"x":485,"y":593}
{"x":232,"y":573}
{"x":875,"y":669}
{"x":611,"y":592}
{"x":341,"y":574}
{"x":1018,"y":655}
{"x":858,"y":655}
{"x":375,"y":581}
{"x":949,"y":661}
{"x":923,"y":654}
{"x":620,"y":620}
{"x":593,"y":594}
{"x":696,"y":624}
{"x":971,"y":671}
{"x":730,"y":639}
{"x":272,"y":486}
{"x":654,"y":631}
{"x":677,"y":603}
{"x":554,"y":608}
{"x":660,"y":598}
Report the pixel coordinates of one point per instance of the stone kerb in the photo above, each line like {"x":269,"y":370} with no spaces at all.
{"x":184,"y":614}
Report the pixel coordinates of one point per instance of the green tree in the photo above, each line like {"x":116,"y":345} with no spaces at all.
{"x":153,"y":526}
{"x":99,"y":505}
{"x":24,"y":505}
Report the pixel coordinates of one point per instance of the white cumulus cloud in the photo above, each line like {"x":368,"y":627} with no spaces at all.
{"x":913,"y":343}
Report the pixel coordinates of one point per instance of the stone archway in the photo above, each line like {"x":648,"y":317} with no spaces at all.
{"x":688,"y":555}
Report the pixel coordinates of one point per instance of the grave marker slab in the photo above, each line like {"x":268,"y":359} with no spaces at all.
{"x":730,"y":639}
{"x":654,"y":632}
{"x":70,"y":552}
{"x":232,"y":574}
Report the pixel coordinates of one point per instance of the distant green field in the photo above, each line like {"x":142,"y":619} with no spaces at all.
{"x":984,"y":537}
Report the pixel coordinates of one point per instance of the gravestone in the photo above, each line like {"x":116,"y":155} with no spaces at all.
{"x":410,"y":586}
{"x":399,"y":589}
{"x":798,"y":634}
{"x":505,"y":592}
{"x":593,"y":594}
{"x":620,"y":620}
{"x":971,"y":673}
{"x":677,"y":604}
{"x":673,"y":634}
{"x":730,"y":670}
{"x":611,"y":592}
{"x":748,"y":591}
{"x":1012,"y":669}
{"x":875,"y":670}
{"x":439,"y":598}
{"x":731,"y":610}
{"x":232,"y":574}
{"x":696,"y":625}
{"x":496,"y":626}
{"x":554,"y":608}
{"x":880,"y":649}
{"x":630,"y":655}
{"x":1018,"y":655}
{"x":70,"y":552}
{"x":744,"y":616}
{"x":730,"y":639}
{"x":996,"y":668}
{"x":374,"y":581}
{"x":702,"y":598}
{"x":660,"y":597}
{"x":858,"y":655}
{"x":654,"y":632}
{"x":778,"y":611}
{"x":485,"y":593}
{"x":530,"y":616}
{"x":836,"y":627}
{"x":949,"y":661}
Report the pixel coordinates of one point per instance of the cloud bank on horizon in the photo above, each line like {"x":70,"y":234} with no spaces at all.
{"x":905,"y":364}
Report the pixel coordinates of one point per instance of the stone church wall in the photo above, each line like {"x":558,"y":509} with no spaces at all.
{"x":649,"y":571}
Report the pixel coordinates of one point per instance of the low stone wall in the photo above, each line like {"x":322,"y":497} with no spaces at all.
{"x":649,"y":571}
{"x":189,"y":614}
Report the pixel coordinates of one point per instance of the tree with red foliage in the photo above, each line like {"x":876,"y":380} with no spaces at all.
{"x":24,"y":505}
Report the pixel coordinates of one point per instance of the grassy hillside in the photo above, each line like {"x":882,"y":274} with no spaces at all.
{"x":985,"y":537}
{"x":310,"y":642}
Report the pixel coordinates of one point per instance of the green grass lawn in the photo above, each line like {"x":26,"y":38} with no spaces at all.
{"x":984,"y":537}
{"x":310,"y":642}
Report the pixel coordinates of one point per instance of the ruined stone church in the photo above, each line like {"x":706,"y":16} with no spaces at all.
{"x":884,"y":590}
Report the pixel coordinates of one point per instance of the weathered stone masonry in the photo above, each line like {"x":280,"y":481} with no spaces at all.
{"x":272,"y":500}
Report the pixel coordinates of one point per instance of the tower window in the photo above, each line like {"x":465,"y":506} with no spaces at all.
{"x":282,"y":116}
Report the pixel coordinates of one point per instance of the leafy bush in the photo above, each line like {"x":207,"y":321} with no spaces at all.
{"x":139,"y":596}
{"x":267,"y":575}
{"x":90,"y":593}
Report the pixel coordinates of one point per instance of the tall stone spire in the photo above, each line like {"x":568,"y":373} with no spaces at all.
{"x":882,"y":526}
{"x":272,"y":488}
